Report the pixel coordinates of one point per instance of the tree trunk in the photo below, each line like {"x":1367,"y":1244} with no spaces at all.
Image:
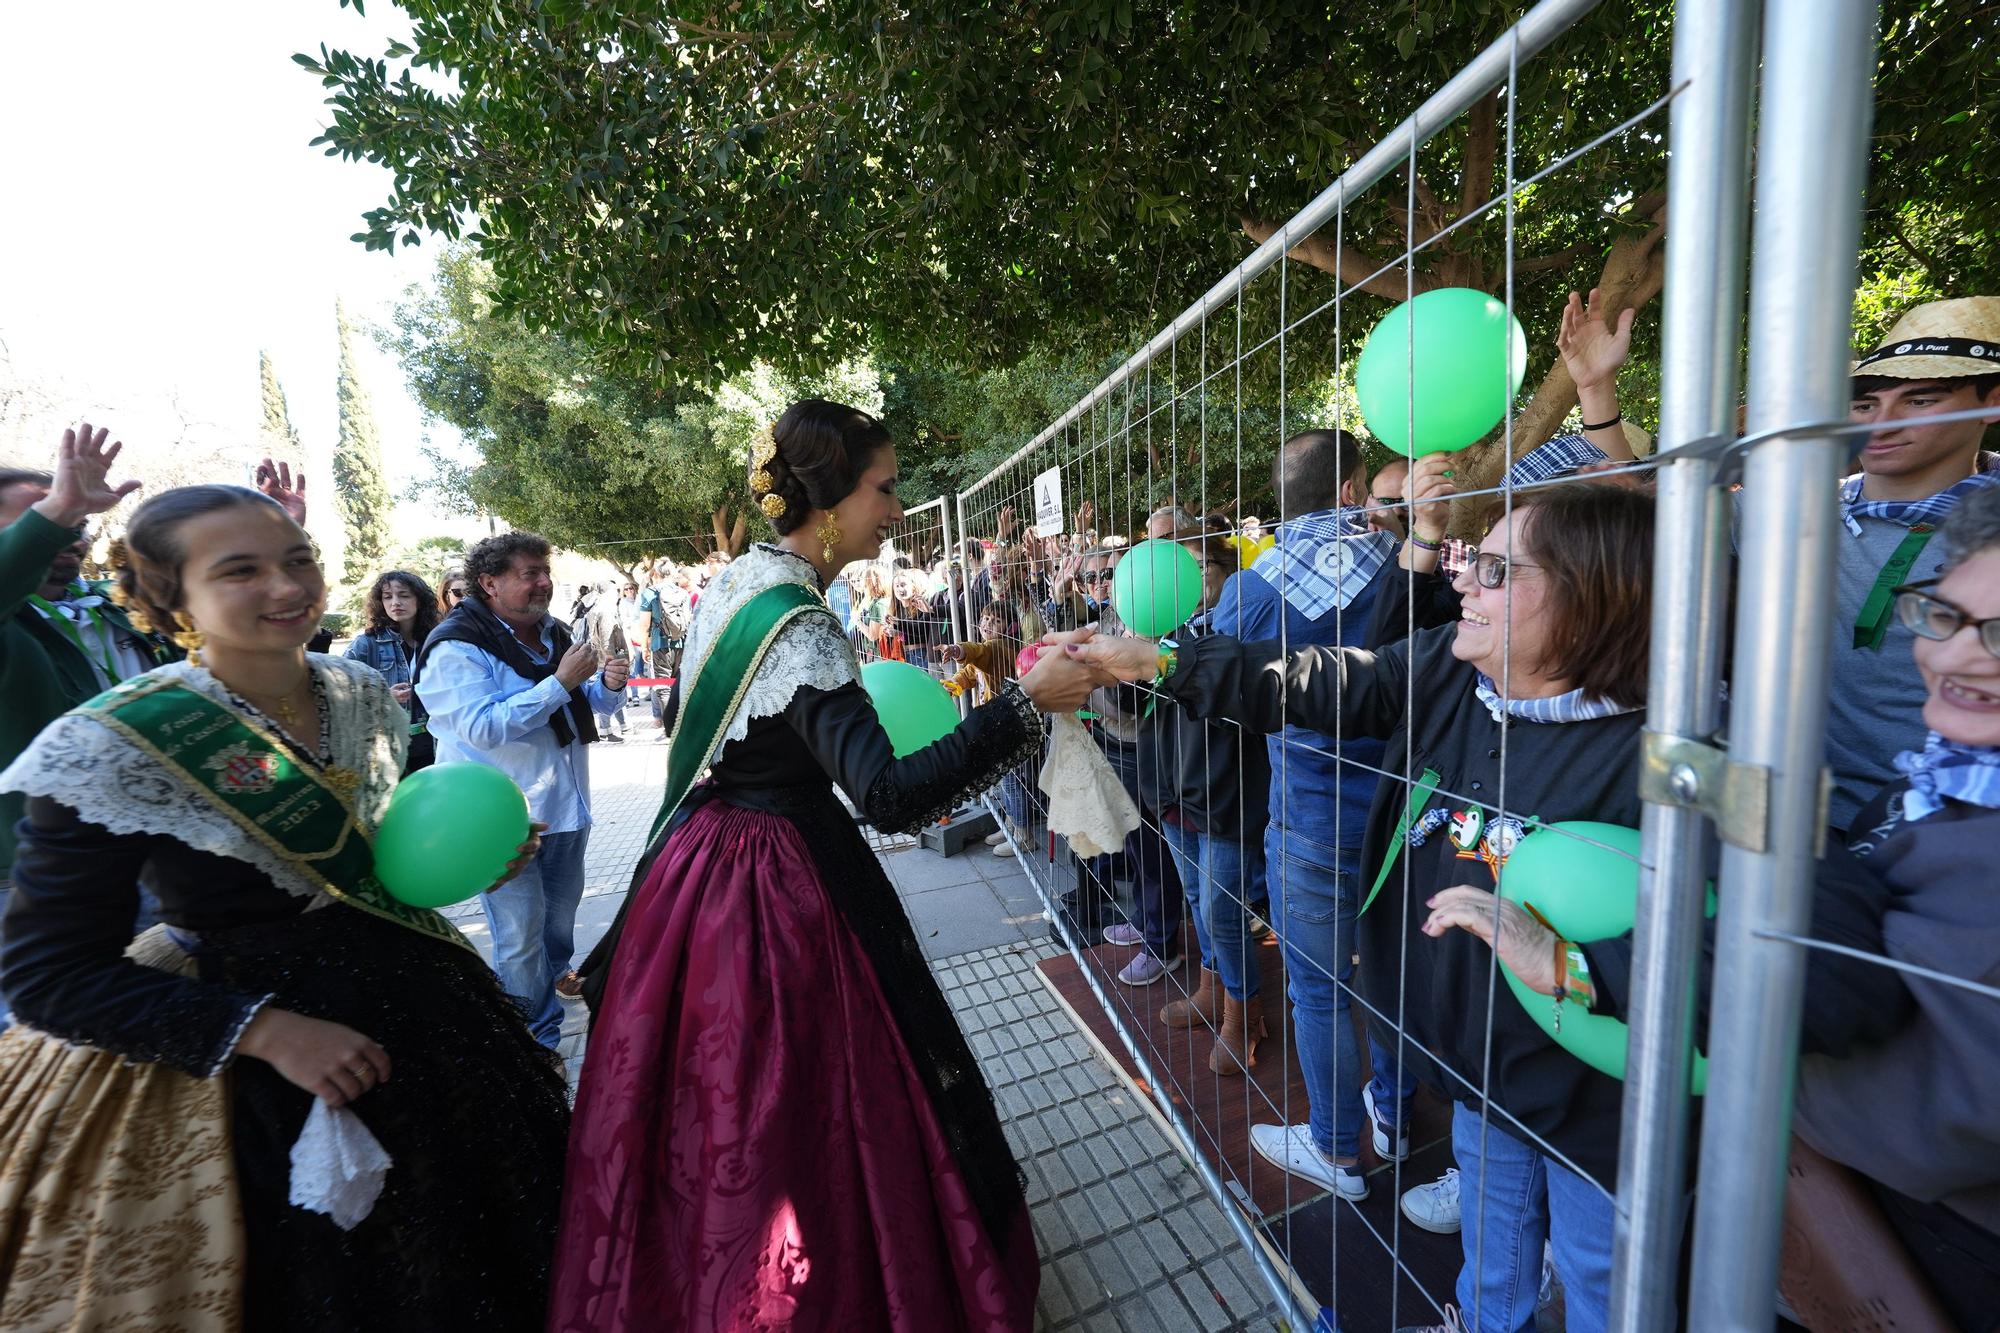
{"x":1635,"y":268}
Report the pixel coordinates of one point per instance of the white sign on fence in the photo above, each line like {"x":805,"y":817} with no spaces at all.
{"x":1048,"y":504}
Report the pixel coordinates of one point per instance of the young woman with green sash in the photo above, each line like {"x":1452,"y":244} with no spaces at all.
{"x":779,"y":1124}
{"x":153,"y":1092}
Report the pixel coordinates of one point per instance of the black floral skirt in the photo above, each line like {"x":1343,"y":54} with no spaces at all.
{"x":474,"y":1117}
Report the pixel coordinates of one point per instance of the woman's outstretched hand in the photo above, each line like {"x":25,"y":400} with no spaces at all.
{"x":1056,"y":684}
{"x":1115,"y":658}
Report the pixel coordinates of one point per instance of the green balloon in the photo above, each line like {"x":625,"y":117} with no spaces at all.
{"x":449,"y":832}
{"x":1463,"y":379}
{"x":1156,"y":587}
{"x":1588,"y":890}
{"x":914,"y":708}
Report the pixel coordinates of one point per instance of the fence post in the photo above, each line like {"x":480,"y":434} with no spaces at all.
{"x":1701,"y":331}
{"x":1816,"y":105}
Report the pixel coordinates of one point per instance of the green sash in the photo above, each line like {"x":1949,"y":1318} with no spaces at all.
{"x":305,"y":815}
{"x":712,"y":697}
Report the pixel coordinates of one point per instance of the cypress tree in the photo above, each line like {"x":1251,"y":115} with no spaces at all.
{"x":358,"y":479}
{"x":279,"y":439}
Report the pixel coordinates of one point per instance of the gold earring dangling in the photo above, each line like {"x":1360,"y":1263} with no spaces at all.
{"x":829,"y":535}
{"x":189,"y":638}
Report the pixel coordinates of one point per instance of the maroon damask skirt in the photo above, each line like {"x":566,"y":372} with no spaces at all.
{"x":752,"y":1145}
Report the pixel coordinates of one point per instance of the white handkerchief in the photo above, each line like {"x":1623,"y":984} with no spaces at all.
{"x":337,"y":1166}
{"x":1087,"y":803}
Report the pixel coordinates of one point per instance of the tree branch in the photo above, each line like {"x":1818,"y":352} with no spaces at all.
{"x":1351,"y":266}
{"x":1560,"y":259}
{"x":1482,"y":153}
{"x":1932,"y":264}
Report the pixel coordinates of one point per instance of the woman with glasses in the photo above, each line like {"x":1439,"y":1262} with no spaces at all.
{"x":1931,"y":834}
{"x":1527,"y":707}
{"x":454,"y":590}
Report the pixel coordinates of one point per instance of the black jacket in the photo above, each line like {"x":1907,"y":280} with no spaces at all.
{"x":1584,"y":770}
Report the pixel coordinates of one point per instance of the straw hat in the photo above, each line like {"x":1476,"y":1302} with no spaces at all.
{"x":1940,"y":341}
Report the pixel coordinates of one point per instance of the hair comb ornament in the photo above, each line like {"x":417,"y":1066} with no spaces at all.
{"x":763,"y":450}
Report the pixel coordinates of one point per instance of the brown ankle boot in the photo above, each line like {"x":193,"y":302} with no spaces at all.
{"x":1236,"y":1040}
{"x":1202,"y":1008}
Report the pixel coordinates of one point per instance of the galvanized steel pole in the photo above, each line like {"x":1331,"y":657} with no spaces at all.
{"x":1708,"y":192}
{"x":1815,"y":108}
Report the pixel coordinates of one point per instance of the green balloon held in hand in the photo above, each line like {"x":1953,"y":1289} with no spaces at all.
{"x":449,"y":833}
{"x":1587,"y":886}
{"x":914,"y":708}
{"x":1459,"y":342}
{"x":1156,"y":587}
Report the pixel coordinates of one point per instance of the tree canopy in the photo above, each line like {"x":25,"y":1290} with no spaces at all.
{"x":690,"y":190}
{"x":360,"y":487}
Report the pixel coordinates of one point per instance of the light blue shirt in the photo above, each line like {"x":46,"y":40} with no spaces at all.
{"x":484,"y":711}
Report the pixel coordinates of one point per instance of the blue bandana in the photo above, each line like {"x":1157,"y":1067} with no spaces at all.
{"x":1575,"y":706}
{"x":1932,"y":509}
{"x":1947,"y":771}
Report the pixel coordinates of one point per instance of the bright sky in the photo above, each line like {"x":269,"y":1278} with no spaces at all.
{"x":165,"y":218}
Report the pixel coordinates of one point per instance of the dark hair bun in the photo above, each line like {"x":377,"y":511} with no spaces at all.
{"x":823,"y":448}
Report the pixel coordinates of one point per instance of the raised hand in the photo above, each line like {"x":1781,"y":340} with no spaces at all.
{"x":275,"y":480}
{"x":1430,"y":490}
{"x":1592,"y":347}
{"x":82,"y":486}
{"x":1005,"y":529}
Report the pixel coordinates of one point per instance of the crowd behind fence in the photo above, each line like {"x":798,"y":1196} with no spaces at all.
{"x":1339,"y":1116}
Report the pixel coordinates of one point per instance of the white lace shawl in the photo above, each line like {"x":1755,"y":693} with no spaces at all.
{"x":108,"y":780}
{"x":811,"y":650}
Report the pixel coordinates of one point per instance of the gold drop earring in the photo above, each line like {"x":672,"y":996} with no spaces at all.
{"x":829,"y":537}
{"x":189,"y":638}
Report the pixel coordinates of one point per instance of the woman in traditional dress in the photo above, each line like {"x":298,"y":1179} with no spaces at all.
{"x":150,"y":1099}
{"x":779,"y":1124}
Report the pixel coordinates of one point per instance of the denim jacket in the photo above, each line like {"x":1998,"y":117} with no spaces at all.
{"x":385,"y":651}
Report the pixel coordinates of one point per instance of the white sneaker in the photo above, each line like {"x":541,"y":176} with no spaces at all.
{"x":1381,"y":1125}
{"x":1003,"y":849}
{"x":995,"y":838}
{"x":1434,"y":1207}
{"x":1291,"y":1148}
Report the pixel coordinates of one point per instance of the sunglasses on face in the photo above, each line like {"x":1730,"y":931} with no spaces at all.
{"x":1490,"y":571}
{"x":1092,"y":576}
{"x":454,"y":592}
{"x":1935,"y":618}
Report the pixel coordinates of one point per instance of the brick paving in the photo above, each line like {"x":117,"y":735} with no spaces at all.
{"x":1128,"y":1237}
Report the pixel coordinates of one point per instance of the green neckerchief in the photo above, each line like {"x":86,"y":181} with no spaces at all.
{"x":67,"y":628}
{"x":248,"y":774}
{"x":1872,"y":625}
{"x":712,"y":697}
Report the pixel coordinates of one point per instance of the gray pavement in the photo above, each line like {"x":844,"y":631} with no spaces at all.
{"x":1129,"y":1239}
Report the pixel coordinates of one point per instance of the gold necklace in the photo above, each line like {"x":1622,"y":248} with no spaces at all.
{"x":287,"y":713}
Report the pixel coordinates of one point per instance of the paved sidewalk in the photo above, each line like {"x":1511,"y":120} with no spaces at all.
{"x":1128,"y":1237}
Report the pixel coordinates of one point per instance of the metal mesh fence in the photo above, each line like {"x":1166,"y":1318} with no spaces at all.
{"x":1235,"y":916}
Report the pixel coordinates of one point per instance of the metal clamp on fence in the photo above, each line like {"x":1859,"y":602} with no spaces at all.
{"x":1679,"y":770}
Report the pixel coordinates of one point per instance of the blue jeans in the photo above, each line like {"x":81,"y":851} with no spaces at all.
{"x":1517,"y":1197}
{"x":1214,"y":873}
{"x":533,"y":920}
{"x":638,"y":670}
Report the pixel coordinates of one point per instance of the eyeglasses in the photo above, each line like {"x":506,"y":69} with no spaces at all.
{"x":1935,"y":618}
{"x":1092,"y":576}
{"x":454,"y":592}
{"x":1491,"y":570}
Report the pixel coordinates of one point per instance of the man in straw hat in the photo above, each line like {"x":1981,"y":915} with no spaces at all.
{"x":1939,"y":359}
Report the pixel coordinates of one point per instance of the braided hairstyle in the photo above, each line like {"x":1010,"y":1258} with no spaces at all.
{"x":823,"y":448}
{"x":149,"y":576}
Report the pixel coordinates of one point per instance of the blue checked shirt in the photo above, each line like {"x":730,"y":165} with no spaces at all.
{"x":1324,"y":560}
{"x":1557,"y":458}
